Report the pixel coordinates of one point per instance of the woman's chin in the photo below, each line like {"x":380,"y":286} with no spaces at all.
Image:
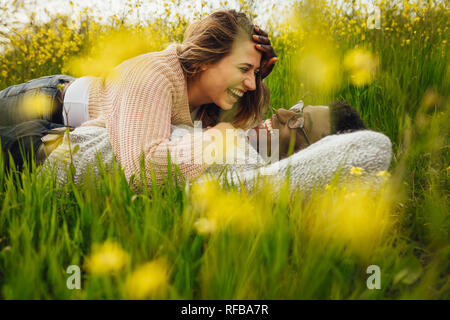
{"x":226,"y":106}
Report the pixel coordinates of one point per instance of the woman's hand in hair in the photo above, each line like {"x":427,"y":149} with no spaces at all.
{"x":269,"y":56}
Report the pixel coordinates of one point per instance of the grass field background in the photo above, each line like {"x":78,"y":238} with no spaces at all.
{"x":206,"y":242}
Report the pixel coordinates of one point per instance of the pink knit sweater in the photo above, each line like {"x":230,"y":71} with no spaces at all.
{"x":137,"y":107}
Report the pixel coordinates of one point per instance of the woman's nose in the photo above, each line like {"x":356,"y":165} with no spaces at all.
{"x":250,"y":82}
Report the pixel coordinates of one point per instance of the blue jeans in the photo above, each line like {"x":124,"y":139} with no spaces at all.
{"x":11,"y":98}
{"x":21,"y":133}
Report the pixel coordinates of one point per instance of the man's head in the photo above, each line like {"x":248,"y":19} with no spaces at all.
{"x":303,"y":125}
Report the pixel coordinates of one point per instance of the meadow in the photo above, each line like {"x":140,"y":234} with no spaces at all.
{"x":212,"y":242}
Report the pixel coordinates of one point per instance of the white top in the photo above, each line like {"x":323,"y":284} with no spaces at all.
{"x":76,"y":101}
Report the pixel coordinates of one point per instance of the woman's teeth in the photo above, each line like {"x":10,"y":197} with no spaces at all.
{"x":268,"y":124}
{"x":236,"y":93}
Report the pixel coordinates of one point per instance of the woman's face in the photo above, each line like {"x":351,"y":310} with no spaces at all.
{"x":316,"y":126}
{"x":226,"y":81}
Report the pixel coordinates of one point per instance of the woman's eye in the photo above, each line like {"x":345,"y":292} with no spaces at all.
{"x":245,"y":70}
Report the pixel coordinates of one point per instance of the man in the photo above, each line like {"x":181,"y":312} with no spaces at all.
{"x":334,"y":138}
{"x":301,"y":126}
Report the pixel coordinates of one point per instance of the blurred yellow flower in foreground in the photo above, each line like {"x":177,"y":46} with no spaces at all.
{"x":356,"y":217}
{"x":319,"y":65}
{"x":220,"y":209}
{"x":148,"y":281}
{"x":223,"y":147}
{"x":430,"y":99}
{"x":35,"y":105}
{"x":107,"y":258}
{"x":111,"y":50}
{"x":204,"y":226}
{"x":361,"y":65}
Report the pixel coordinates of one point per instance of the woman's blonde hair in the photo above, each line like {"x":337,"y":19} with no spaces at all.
{"x":208,"y":41}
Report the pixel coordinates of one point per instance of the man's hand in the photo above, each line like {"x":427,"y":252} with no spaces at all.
{"x":263,"y":45}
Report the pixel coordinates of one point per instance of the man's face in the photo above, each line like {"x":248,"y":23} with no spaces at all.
{"x":316,"y":125}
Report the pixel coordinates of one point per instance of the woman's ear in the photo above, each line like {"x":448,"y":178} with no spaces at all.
{"x":203,"y":67}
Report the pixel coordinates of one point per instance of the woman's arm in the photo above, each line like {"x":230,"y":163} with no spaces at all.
{"x":140,"y":129}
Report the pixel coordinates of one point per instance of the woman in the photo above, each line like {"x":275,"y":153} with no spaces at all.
{"x":217,"y":66}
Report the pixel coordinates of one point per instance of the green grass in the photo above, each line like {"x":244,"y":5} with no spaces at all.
{"x":44,"y":227}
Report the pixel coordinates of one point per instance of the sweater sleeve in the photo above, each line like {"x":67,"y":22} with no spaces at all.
{"x":140,"y":126}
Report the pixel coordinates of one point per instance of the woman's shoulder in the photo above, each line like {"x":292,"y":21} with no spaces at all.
{"x":164,"y":62}
{"x":161,"y":69}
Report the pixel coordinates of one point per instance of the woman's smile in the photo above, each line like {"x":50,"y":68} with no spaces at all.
{"x":235,"y":94}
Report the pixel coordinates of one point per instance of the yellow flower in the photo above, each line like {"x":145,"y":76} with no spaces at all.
{"x":112,"y":49}
{"x":361,"y":65}
{"x":106,"y":258}
{"x":36,"y":104}
{"x":220,"y":209}
{"x":319,"y":67}
{"x":148,"y":280}
{"x":357,"y":171}
{"x":205,"y":226}
{"x":383,"y":174}
{"x":357,"y":216}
